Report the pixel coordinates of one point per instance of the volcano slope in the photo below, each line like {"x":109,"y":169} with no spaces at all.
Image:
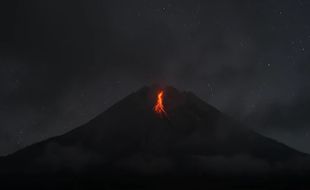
{"x":193,"y":145}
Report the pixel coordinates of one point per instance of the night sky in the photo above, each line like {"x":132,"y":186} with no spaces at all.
{"x":64,"y":62}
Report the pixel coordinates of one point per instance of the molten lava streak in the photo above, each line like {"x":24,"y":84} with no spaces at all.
{"x":159,"y":106}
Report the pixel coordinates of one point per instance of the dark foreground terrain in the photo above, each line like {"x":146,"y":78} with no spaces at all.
{"x":61,"y":181}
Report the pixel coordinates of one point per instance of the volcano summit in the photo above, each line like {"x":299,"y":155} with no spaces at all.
{"x":131,"y":141}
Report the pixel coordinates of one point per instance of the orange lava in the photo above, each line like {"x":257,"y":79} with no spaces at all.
{"x":159,"y":106}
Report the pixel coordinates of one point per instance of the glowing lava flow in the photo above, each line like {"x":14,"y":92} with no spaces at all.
{"x":159,"y":106}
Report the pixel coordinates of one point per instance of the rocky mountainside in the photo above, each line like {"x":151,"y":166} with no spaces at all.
{"x":192,"y":138}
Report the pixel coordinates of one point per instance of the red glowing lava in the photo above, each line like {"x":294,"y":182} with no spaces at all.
{"x":159,"y":106}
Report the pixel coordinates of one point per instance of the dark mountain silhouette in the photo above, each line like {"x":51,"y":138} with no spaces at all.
{"x":129,"y":141}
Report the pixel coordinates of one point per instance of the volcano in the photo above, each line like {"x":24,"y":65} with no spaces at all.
{"x":191,"y":140}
